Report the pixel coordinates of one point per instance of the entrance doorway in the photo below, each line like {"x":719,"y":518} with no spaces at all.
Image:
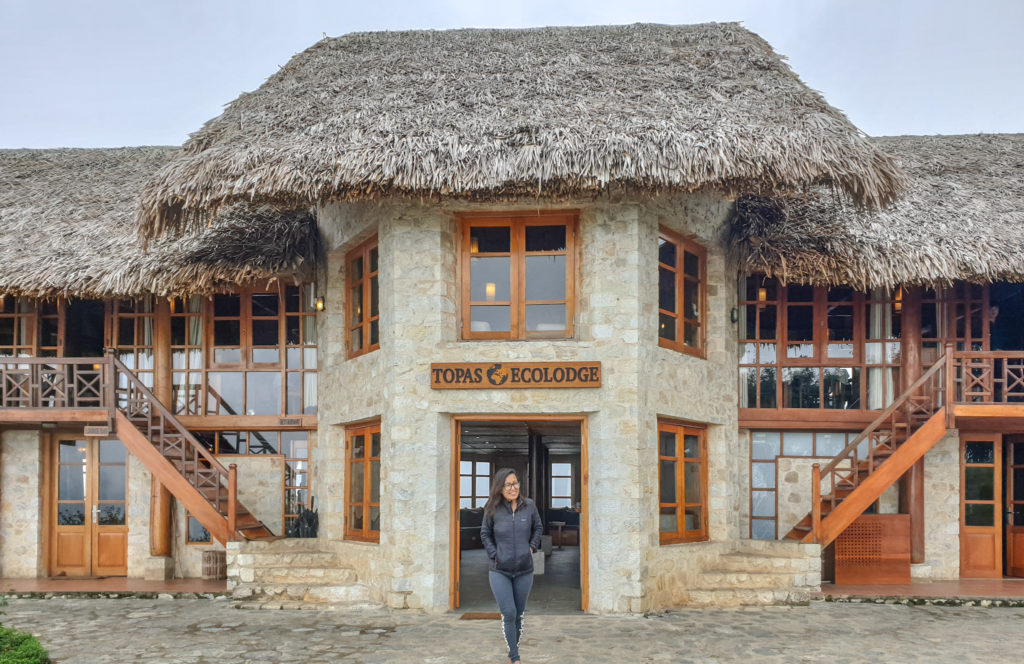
{"x":991,"y":505}
{"x":549,"y":457}
{"x":88,"y":498}
{"x":84,"y":325}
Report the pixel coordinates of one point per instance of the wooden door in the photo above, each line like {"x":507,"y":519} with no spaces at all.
{"x":1014,"y":506}
{"x":981,"y":523}
{"x":90,"y":531}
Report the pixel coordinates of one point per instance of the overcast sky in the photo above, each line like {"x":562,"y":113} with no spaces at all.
{"x":90,"y":73}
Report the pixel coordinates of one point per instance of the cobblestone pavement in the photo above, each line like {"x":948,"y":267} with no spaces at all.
{"x":103,"y":631}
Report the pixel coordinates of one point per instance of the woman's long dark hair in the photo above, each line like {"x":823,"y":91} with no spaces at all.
{"x":496,"y":487}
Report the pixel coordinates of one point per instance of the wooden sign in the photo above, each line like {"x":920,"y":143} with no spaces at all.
{"x":512,"y":375}
{"x":97,"y":431}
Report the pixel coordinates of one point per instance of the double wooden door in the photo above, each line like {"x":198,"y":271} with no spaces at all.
{"x":89,"y":508}
{"x":991,"y":506}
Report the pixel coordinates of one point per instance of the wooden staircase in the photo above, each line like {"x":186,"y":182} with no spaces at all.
{"x":876,"y":458}
{"x":174,"y":456}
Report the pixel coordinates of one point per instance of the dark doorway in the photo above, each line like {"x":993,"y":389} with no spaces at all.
{"x":1006,"y":316}
{"x":83,"y":336}
{"x":547,"y":457}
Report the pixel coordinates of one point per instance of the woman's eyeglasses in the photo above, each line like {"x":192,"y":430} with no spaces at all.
{"x":512,"y":485}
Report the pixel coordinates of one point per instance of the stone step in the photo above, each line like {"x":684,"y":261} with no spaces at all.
{"x":307,"y":575}
{"x":304,"y":559}
{"x":721,"y":580}
{"x":757,"y":562}
{"x":341,"y":594}
{"x":725,"y":598}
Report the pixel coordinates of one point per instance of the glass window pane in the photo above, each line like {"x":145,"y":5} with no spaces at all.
{"x":264,"y":304}
{"x":873,"y":353}
{"x":177,"y":331}
{"x":762,"y":475}
{"x":374,"y":518}
{"x":196,"y":531}
{"x":265,"y":332}
{"x":112,"y":482}
{"x":358,"y":446}
{"x":762,"y":529}
{"x":800,"y":323}
{"x":356,"y":339}
{"x":355,"y":517}
{"x":71,"y":483}
{"x":545,"y":317}
{"x":800,"y":293}
{"x":263,"y":442}
{"x":293,"y":358}
{"x":769,"y":388}
{"x":840,"y":351}
{"x":545,"y":238}
{"x":842,"y":388}
{"x":483,"y":486}
{"x":668,"y":481}
{"x":111,"y":514}
{"x":465,"y":467}
{"x":486,"y":239}
{"x":748,"y":387}
{"x":667,"y":290}
{"x":1018,"y":486}
{"x":356,"y":269}
{"x":666,"y":252}
{"x":765,"y":445}
{"x":691,"y":265}
{"x":667,"y":443}
{"x":374,"y":332}
{"x":691,"y":299}
{"x":356,"y":304}
{"x":374,"y":258}
{"x":490,"y":279}
{"x":227,"y":333}
{"x":71,"y":514}
{"x":545,"y":277}
{"x":263,"y":393}
{"x":763,"y":503}
{"x":375,"y":444}
{"x":266,"y":355}
{"x":692,"y":518}
{"x":691,"y":446}
{"x":668,"y":521}
{"x":979,"y":453}
{"x":797,"y":443}
{"x":667,"y":327}
{"x":465,"y":486}
{"x":767,"y":323}
{"x":490,"y":318}
{"x":979,"y":483}
{"x":374,"y":297}
{"x":465,"y":503}
{"x":309,"y":330}
{"x":561,"y":502}
{"x":375,"y":481}
{"x":72,"y":451}
{"x":840,"y":323}
{"x":979,"y":515}
{"x":694,"y":488}
{"x":561,"y":486}
{"x":355,"y":493}
{"x":564,"y":469}
{"x":829,"y":444}
{"x":800,"y":387}
{"x":227,"y":305}
{"x":483,"y":467}
{"x":691,"y":335}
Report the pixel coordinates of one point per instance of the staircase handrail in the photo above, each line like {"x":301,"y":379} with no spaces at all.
{"x":898,"y":403}
{"x":119,"y":367}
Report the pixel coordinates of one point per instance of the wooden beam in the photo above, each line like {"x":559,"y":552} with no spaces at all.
{"x":247,"y":422}
{"x":169,"y":476}
{"x":877,"y":482}
{"x":988,"y":410}
{"x":40,"y":415}
{"x":160,"y":533}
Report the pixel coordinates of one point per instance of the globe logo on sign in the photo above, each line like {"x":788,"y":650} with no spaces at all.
{"x":497,"y":374}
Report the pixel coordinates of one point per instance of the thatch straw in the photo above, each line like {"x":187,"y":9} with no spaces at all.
{"x":505,"y":114}
{"x":67,"y":219}
{"x":961,"y":218}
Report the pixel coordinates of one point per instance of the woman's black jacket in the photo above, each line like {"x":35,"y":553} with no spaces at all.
{"x":508,"y":537}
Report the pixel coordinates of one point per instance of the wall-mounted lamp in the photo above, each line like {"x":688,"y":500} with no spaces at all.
{"x":319,"y":303}
{"x":734,"y":315}
{"x":762,"y":294}
{"x":897,"y":304}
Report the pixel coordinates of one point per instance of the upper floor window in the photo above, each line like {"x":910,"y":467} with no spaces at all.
{"x":518,"y":276}
{"x":681,"y":293}
{"x":17,"y":326}
{"x":364,"y":299}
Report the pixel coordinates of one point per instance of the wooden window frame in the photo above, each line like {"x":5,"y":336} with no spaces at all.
{"x":681,"y":429}
{"x":363,"y":325}
{"x":683,"y":246}
{"x":364,"y":534}
{"x":517,"y":224}
{"x":473,"y":475}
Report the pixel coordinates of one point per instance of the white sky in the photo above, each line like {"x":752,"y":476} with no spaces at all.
{"x":94,"y":73}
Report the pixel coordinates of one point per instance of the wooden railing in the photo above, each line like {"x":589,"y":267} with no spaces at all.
{"x":53,"y":382}
{"x":173,"y":441}
{"x":883,"y":436}
{"x":988,"y":377}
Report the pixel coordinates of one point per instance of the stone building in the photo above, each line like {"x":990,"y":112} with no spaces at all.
{"x":645,"y":266}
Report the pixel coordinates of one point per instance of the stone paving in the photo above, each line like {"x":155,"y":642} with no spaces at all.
{"x":200,"y":631}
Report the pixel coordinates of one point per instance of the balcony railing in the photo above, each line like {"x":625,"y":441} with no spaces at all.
{"x":988,"y":377}
{"x":55,"y":382}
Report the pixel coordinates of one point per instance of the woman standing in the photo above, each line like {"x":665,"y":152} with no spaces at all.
{"x":511,"y":533}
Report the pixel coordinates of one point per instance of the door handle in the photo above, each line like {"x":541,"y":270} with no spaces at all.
{"x":96,"y":514}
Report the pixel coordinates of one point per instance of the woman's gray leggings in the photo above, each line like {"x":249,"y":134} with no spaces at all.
{"x":511,"y":594}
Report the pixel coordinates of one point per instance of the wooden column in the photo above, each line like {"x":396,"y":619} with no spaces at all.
{"x":160,"y":532}
{"x":912,"y":482}
{"x":160,"y":535}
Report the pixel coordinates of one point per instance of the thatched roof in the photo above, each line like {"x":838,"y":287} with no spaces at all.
{"x":961,"y":218}
{"x":504,"y":114}
{"x":67,"y":223}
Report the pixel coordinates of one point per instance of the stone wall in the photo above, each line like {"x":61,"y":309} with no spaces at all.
{"x":139,"y":492}
{"x":21,"y":537}
{"x":941,"y":511}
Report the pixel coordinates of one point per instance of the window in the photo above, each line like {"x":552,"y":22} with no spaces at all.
{"x":247,"y":353}
{"x":364,"y":299}
{"x":681,"y":293}
{"x":682,"y":479}
{"x":518,"y":277}
{"x":17,"y":322}
{"x":362,"y":482}
{"x":817,"y":347}
{"x":474,"y":483}
{"x":133,"y":322}
{"x":561,"y":485}
{"x":196,"y":532}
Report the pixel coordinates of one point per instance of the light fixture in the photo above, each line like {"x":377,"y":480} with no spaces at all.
{"x":897,"y":304}
{"x":490,"y":290}
{"x":474,"y":245}
{"x":734,"y":315}
{"x":319,"y":303}
{"x":762,"y":294}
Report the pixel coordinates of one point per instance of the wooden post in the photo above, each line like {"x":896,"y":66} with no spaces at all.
{"x":160,"y":535}
{"x":816,"y":502}
{"x":232,"y":504}
{"x":912,"y":482}
{"x":162,"y":378}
